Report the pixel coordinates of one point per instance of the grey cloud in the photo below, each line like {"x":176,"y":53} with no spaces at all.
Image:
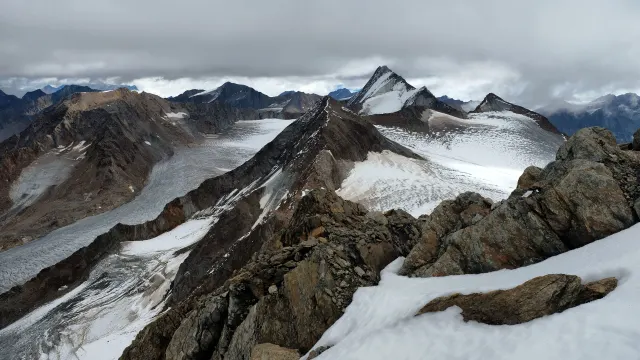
{"x":529,"y":49}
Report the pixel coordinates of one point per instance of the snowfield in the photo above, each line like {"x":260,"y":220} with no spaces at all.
{"x":379,"y":323}
{"x":388,"y":102}
{"x":390,"y":181}
{"x":487,"y":155}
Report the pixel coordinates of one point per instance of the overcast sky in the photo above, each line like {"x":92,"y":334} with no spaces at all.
{"x":525,"y":51}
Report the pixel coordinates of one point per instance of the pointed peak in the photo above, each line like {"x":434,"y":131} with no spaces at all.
{"x":382,"y":69}
{"x":32,"y":95}
{"x":424,"y":90}
{"x":493,"y":102}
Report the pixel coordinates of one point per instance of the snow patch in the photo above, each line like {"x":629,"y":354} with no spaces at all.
{"x":379,"y":323}
{"x":182,"y":236}
{"x":176,"y":115}
{"x":388,"y":102}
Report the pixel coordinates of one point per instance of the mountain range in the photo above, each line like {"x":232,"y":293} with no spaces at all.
{"x":620,"y":114}
{"x":228,"y":224}
{"x":100,"y":86}
{"x":16,"y":113}
{"x":288,"y":105}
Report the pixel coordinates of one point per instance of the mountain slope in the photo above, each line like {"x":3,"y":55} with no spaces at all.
{"x":91,"y":153}
{"x":245,"y":207}
{"x":493,"y":103}
{"x":236,"y":95}
{"x":16,"y":115}
{"x":620,"y":114}
{"x":387,"y":92}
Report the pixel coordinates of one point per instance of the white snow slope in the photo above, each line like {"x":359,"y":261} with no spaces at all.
{"x":487,"y":157}
{"x":388,"y":102}
{"x":379,"y":323}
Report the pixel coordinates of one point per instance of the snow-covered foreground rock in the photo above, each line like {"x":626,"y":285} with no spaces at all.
{"x":380,"y":322}
{"x":486,"y":154}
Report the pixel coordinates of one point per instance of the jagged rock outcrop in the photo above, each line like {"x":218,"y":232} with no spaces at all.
{"x":450,"y":216}
{"x":527,"y":181}
{"x":538,"y":297}
{"x":586,"y":195}
{"x":290,"y":295}
{"x":493,"y":102}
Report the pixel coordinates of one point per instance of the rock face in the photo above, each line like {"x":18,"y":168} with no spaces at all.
{"x":328,"y":249}
{"x":450,"y":216}
{"x":273,"y":352}
{"x":527,"y":181}
{"x":493,"y":102}
{"x":586,"y":195}
{"x":538,"y":297}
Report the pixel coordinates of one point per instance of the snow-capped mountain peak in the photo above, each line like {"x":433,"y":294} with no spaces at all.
{"x":382,"y":82}
{"x":387,"y":92}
